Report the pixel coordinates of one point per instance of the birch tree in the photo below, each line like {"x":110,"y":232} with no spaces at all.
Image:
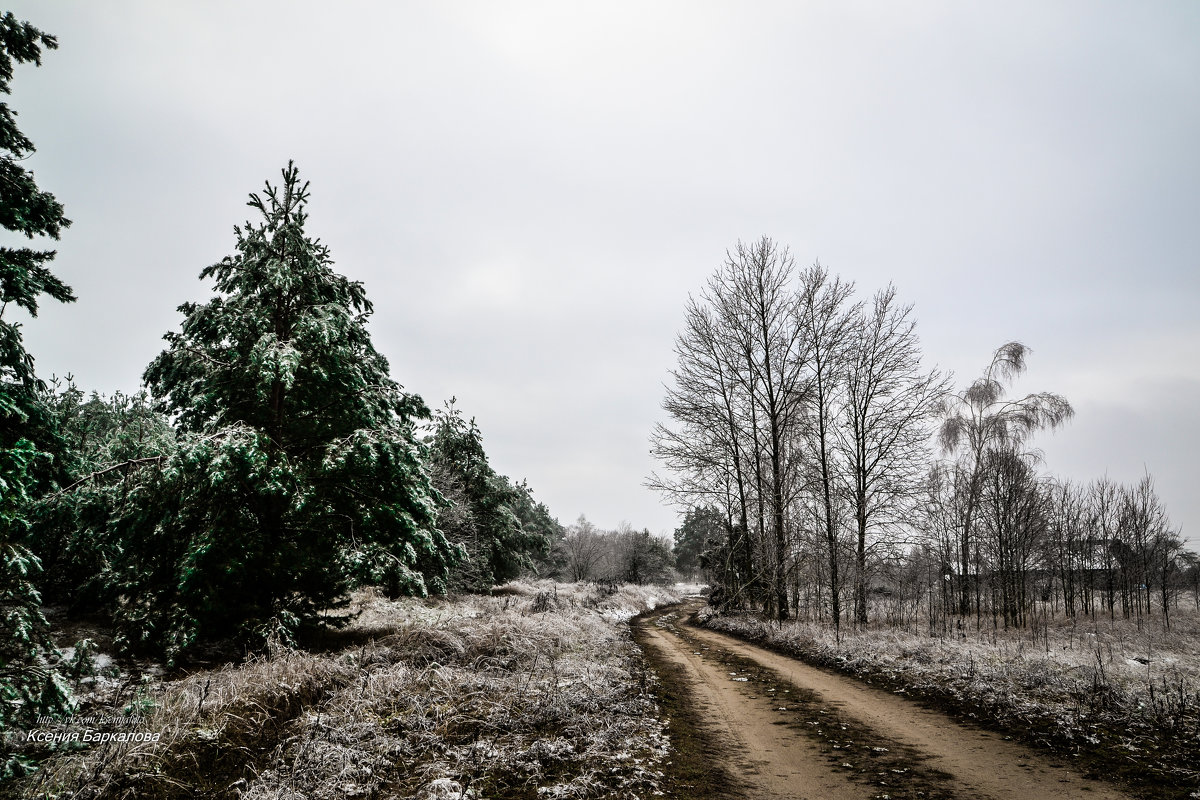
{"x":980,"y":418}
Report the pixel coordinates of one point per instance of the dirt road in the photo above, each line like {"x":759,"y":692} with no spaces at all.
{"x":774,"y":727}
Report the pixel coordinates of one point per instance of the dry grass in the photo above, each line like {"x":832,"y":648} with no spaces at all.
{"x":1127,"y":696}
{"x":536,"y":692}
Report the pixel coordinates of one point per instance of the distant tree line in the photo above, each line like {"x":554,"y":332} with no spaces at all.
{"x":622,"y":555}
{"x":826,"y":473}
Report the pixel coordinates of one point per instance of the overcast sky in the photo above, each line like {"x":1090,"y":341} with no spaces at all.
{"x":530,"y":191}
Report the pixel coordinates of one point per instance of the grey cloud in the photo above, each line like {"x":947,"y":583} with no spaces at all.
{"x":529,"y":192}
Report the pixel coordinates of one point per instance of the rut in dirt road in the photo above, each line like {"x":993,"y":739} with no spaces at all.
{"x":789,"y":730}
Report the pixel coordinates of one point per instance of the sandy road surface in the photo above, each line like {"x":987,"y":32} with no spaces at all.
{"x":793,"y":731}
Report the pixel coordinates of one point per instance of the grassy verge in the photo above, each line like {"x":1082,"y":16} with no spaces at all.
{"x":1119,"y":704}
{"x":537,"y":692}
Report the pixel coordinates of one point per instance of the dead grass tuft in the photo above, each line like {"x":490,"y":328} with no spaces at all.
{"x":466,"y":697}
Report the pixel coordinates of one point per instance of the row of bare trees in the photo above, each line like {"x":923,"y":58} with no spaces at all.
{"x":1039,"y":543}
{"x":804,"y":418}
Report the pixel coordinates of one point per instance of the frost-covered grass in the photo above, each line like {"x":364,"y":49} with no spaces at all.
{"x":535,"y":692}
{"x":1125,"y":696}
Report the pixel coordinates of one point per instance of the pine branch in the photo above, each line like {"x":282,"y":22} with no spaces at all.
{"x":133,"y":462}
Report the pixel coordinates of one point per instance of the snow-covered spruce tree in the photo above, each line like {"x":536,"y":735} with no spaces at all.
{"x":112,"y":446}
{"x":497,"y":523}
{"x":28,"y":687}
{"x":298,"y":472}
{"x":30,"y":212}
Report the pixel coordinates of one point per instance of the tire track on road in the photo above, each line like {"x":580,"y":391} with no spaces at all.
{"x":799,"y":732}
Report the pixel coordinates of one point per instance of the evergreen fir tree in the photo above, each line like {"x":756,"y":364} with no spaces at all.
{"x":112,"y":447}
{"x":28,"y":685}
{"x":298,"y":472}
{"x":24,"y":278}
{"x":497,"y":523}
{"x":704,"y":529}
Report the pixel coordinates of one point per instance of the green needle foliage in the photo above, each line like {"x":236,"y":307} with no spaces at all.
{"x":699,"y":540}
{"x":112,"y":448}
{"x":24,"y":277}
{"x":29,"y":687}
{"x":297,"y":472}
{"x":498,"y":524}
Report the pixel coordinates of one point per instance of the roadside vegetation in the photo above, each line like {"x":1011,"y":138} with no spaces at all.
{"x":535,"y":692}
{"x":1122,"y":699}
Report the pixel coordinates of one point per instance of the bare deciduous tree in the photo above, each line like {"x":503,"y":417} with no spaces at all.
{"x":583,"y":550}
{"x":805,"y":419}
{"x":825,"y":317}
{"x":889,"y":403}
{"x":705,"y":453}
{"x":753,"y":292}
{"x":735,"y":404}
{"x":980,"y":419}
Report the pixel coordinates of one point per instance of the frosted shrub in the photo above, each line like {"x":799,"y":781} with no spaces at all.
{"x":471,"y":697}
{"x":1129,"y":695}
